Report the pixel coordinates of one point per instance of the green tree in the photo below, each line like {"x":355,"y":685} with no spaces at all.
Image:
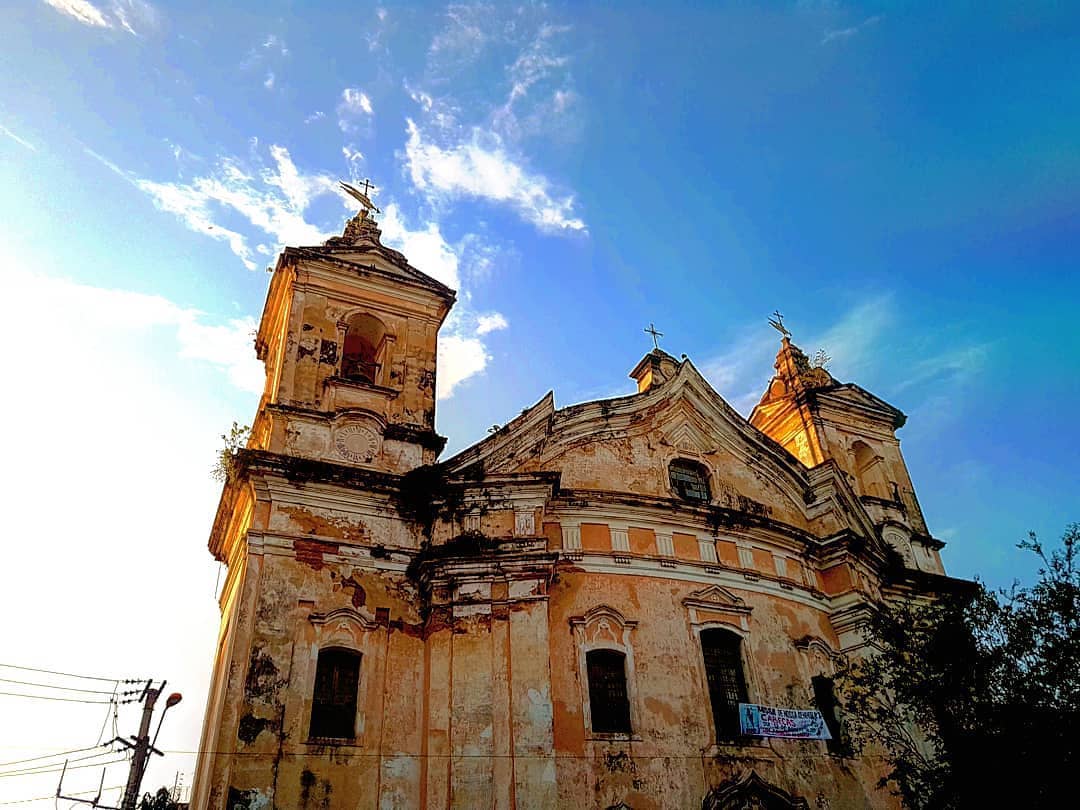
{"x":975,"y":699}
{"x":162,"y":800}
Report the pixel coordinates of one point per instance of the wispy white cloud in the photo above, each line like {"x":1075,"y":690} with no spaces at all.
{"x":539,"y":74}
{"x":21,"y":141}
{"x":272,"y":199}
{"x":375,"y":34}
{"x":136,"y":16}
{"x":460,"y":357}
{"x":481,"y":168}
{"x":956,"y":366}
{"x":462,"y":351}
{"x":490,"y":322}
{"x":354,"y":109}
{"x":275,"y":43}
{"x":225,"y":344}
{"x":424,"y":247}
{"x":318,"y":115}
{"x":149,"y":439}
{"x":867,"y":345}
{"x":463,"y":37}
{"x":354,"y":158}
{"x":192,"y":205}
{"x":133,"y":16}
{"x":462,"y":144}
{"x":741,"y":372}
{"x":854,"y":342}
{"x":108,"y":164}
{"x":81,"y":10}
{"x":840,"y":34}
{"x":275,"y":199}
{"x":269,"y":56}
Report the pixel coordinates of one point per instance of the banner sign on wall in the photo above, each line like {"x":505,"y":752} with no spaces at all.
{"x":796,"y":724}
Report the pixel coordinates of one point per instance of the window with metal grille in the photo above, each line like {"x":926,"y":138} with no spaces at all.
{"x":724,"y":673}
{"x":609,"y":703}
{"x":333,"y":706}
{"x":825,"y":700}
{"x":689,"y":480}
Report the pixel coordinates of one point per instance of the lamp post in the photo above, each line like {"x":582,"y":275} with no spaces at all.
{"x":143,"y":744}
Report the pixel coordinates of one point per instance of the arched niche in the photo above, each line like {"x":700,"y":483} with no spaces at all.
{"x":869,"y":470}
{"x":363,"y":354}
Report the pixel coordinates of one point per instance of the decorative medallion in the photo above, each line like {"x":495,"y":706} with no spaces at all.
{"x":356,"y":443}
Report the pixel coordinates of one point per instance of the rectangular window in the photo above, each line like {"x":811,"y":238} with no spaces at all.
{"x":333,"y":705}
{"x":727,"y":685}
{"x":825,"y":700}
{"x":609,"y":703}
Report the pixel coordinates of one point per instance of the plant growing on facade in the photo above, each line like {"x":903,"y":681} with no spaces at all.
{"x":233,"y":441}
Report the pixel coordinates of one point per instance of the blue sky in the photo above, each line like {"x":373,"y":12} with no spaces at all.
{"x":900,"y":180}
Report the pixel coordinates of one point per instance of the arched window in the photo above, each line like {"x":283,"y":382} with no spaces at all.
{"x":690,"y":480}
{"x":608,"y":699}
{"x":333,"y":704}
{"x":869,"y":470}
{"x":727,"y":684}
{"x":825,"y":700}
{"x":361,"y":356}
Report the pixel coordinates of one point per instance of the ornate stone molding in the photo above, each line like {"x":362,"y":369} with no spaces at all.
{"x":342,"y":626}
{"x":751,"y":793}
{"x":717,"y":604}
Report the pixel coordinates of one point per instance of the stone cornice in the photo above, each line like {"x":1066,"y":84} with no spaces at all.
{"x":595,"y":504}
{"x":731,"y":579}
{"x":407,"y":275}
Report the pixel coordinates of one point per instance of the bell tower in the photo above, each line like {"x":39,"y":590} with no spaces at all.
{"x":817,"y":419}
{"x":348,"y":338}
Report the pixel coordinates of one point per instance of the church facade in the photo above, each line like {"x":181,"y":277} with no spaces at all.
{"x":567,"y":613}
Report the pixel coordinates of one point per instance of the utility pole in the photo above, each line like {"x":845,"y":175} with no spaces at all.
{"x":143,"y":746}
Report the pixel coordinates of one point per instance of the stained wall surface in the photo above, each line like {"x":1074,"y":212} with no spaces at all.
{"x":473,"y":590}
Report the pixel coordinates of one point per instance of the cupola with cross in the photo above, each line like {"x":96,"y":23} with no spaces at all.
{"x":818,"y":419}
{"x":656,"y":367}
{"x":348,"y":337}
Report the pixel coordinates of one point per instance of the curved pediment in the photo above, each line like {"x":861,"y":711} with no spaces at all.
{"x":626,"y":444}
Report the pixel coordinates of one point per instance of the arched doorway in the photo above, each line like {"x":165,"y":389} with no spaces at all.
{"x":751,"y":793}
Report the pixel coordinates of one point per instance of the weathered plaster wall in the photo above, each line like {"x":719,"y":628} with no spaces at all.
{"x":558,"y":534}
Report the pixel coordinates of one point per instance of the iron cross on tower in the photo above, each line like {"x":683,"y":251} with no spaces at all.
{"x":655,"y":335}
{"x":777,"y":323}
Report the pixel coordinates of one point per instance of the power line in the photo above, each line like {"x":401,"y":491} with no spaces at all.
{"x":105,"y":722}
{"x":74,"y":675}
{"x":385,"y":755}
{"x":55,"y":768}
{"x":56,"y":686}
{"x":40,"y":765}
{"x":51,"y":756}
{"x":62,"y":699}
{"x":53,"y":796}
